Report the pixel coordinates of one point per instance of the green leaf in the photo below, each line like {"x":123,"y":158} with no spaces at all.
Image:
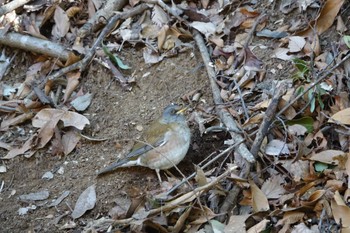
{"x":303,"y":69}
{"x":347,"y":40}
{"x":307,"y":122}
{"x":116,"y":60}
{"x":301,"y":65}
{"x":320,"y":167}
{"x":121,"y":64}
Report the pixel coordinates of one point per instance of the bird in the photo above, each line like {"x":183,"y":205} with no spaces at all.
{"x":167,"y":141}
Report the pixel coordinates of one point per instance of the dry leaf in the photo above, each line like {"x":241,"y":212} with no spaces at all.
{"x":327,"y":156}
{"x":72,"y":83}
{"x":341,"y":214}
{"x":69,"y":118}
{"x":21,"y":150}
{"x":85,"y":202}
{"x":342,"y":117}
{"x":296,"y":43}
{"x":273,"y":187}
{"x":62,"y":24}
{"x":277,"y":147}
{"x":259,"y":227}
{"x":69,"y":140}
{"x":260,"y":202}
{"x":325,"y":18}
{"x":236,"y":224}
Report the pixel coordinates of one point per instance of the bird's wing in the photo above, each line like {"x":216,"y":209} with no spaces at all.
{"x":153,"y":137}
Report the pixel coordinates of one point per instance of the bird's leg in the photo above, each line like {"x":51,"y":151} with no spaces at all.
{"x":169,"y":173}
{"x":158,"y":175}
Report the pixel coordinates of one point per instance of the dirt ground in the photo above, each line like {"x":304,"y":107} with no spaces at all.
{"x":119,"y":116}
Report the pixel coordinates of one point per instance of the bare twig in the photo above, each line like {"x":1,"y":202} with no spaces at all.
{"x":103,"y":14}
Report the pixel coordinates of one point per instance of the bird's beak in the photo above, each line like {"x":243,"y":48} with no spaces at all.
{"x":182,"y":110}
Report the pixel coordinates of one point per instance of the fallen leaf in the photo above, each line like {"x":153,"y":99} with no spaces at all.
{"x":296,"y":43}
{"x":62,"y":24}
{"x":72,"y":83}
{"x":327,"y":156}
{"x":259,"y":227}
{"x":342,"y":117}
{"x":273,"y":187}
{"x":81,"y":103}
{"x":260,"y":202}
{"x":38,"y":196}
{"x":85,"y":202}
{"x":277,"y":147}
{"x":325,"y":19}
{"x":69,"y":140}
{"x":236,"y":224}
{"x":341,"y":214}
{"x":69,"y":118}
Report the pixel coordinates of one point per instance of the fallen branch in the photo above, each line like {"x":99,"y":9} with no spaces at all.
{"x":231,"y":199}
{"x":35,"y":45}
{"x":269,"y":117}
{"x":224,"y":115}
{"x":102,"y":16}
{"x":13,"y":5}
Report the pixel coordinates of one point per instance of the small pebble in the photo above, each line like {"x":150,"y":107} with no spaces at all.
{"x":47,"y":176}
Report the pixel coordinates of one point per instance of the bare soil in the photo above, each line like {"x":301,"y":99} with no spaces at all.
{"x":116,"y":115}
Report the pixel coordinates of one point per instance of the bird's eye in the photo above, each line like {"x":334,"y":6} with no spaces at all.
{"x":173,"y":111}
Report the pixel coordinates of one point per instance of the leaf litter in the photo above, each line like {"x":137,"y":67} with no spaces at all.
{"x":299,"y":179}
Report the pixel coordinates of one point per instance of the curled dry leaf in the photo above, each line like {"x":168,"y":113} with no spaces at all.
{"x":85,"y":202}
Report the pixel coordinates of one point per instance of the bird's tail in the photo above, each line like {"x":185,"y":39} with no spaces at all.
{"x":111,"y":167}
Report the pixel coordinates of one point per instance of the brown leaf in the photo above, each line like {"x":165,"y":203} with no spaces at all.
{"x":6,"y":123}
{"x":259,"y":227}
{"x":69,"y":140}
{"x":21,"y":150}
{"x":341,"y":213}
{"x":73,"y":82}
{"x":327,"y":156}
{"x":342,"y":117}
{"x":69,"y":118}
{"x":325,"y":19}
{"x":260,"y":202}
{"x":47,"y":130}
{"x":62,"y":24}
